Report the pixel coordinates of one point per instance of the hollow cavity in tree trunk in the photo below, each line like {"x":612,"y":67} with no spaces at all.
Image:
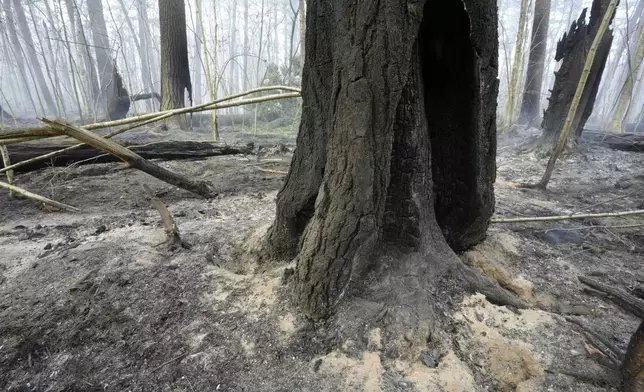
{"x":384,"y":180}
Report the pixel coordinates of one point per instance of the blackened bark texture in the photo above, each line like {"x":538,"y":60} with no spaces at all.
{"x":461,"y":88}
{"x":633,"y":366}
{"x":536,"y":60}
{"x":175,"y":70}
{"x":295,"y":202}
{"x":571,"y":51}
{"x":379,"y":120}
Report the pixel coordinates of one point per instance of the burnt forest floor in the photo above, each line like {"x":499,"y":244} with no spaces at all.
{"x":96,"y":301}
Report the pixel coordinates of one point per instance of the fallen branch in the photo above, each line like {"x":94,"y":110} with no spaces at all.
{"x":150,"y":119}
{"x":26,"y":193}
{"x":157,"y":116}
{"x":171,"y":229}
{"x":272,"y":171}
{"x":202,"y":188}
{"x":618,"y":296}
{"x":7,"y":162}
{"x":27,"y":154}
{"x":566,"y":217}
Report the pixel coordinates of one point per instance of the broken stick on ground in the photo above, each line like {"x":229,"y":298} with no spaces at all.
{"x":25,"y":193}
{"x":171,"y":228}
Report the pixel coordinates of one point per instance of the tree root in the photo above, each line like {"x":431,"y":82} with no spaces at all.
{"x":475,"y":281}
{"x":615,"y":355}
{"x":602,"y":378}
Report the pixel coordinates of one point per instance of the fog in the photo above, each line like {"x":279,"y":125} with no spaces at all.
{"x":50,"y":64}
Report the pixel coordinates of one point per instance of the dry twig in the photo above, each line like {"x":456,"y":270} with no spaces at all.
{"x":171,"y":228}
{"x":26,"y":193}
{"x":566,"y":217}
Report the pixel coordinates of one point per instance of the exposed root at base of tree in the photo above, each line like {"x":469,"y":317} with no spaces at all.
{"x":409,"y":298}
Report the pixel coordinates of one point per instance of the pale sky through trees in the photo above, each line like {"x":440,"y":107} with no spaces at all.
{"x":60,"y":55}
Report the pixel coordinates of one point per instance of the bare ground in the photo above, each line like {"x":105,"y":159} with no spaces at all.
{"x":95,"y":301}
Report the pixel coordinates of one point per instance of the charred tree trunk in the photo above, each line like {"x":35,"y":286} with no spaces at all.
{"x":633,"y":366}
{"x":572,"y":50}
{"x":175,"y":71}
{"x":382,"y":170}
{"x":534,"y":77}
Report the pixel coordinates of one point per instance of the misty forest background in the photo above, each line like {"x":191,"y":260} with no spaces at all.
{"x":55,"y":55}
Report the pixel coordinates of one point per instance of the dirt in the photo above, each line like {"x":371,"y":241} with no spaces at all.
{"x":96,"y":301}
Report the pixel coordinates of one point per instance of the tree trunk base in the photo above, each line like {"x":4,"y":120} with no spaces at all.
{"x":408,"y":298}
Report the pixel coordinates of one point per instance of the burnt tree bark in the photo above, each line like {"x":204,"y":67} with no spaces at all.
{"x":571,"y":51}
{"x":633,"y":366}
{"x":395,"y":155}
{"x":175,"y":70}
{"x":534,"y":78}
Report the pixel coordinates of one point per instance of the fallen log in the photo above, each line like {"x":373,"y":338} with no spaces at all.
{"x":166,"y":150}
{"x":616,"y":141}
{"x":199,"y":187}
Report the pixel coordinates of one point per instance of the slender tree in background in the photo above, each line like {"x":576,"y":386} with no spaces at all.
{"x":610,"y":86}
{"x":635,"y":59}
{"x":208,"y":57}
{"x":146,"y":46}
{"x":10,"y":29}
{"x":74,"y":68}
{"x":197,"y":62}
{"x":534,"y":77}
{"x":175,"y":70}
{"x":513,"y":88}
{"x":378,"y":184}
{"x":246,"y":49}
{"x":102,"y":51}
{"x":91,"y":75}
{"x":144,"y":68}
{"x":30,"y":49}
{"x":233,"y":69}
{"x":573,"y":50}
{"x":302,"y":29}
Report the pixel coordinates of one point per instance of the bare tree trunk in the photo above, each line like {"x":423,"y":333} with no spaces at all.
{"x":146,"y":45}
{"x":197,"y":62}
{"x":10,"y":26}
{"x":513,"y":88}
{"x":145,"y":70}
{"x":233,"y":68}
{"x":633,"y":366}
{"x":572,"y":50}
{"x":246,"y":49}
{"x":359,"y":198}
{"x":85,"y":53}
{"x":624,"y":98}
{"x":276,"y":37}
{"x":52,"y":76}
{"x":33,"y":57}
{"x":175,"y":70}
{"x":72,"y":63}
{"x":102,"y":50}
{"x":302,"y":29}
{"x":534,"y":77}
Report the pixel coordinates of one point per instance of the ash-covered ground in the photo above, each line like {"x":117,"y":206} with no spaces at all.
{"x":96,"y":301}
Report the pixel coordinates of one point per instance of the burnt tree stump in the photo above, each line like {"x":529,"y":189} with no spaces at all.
{"x":572,"y":50}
